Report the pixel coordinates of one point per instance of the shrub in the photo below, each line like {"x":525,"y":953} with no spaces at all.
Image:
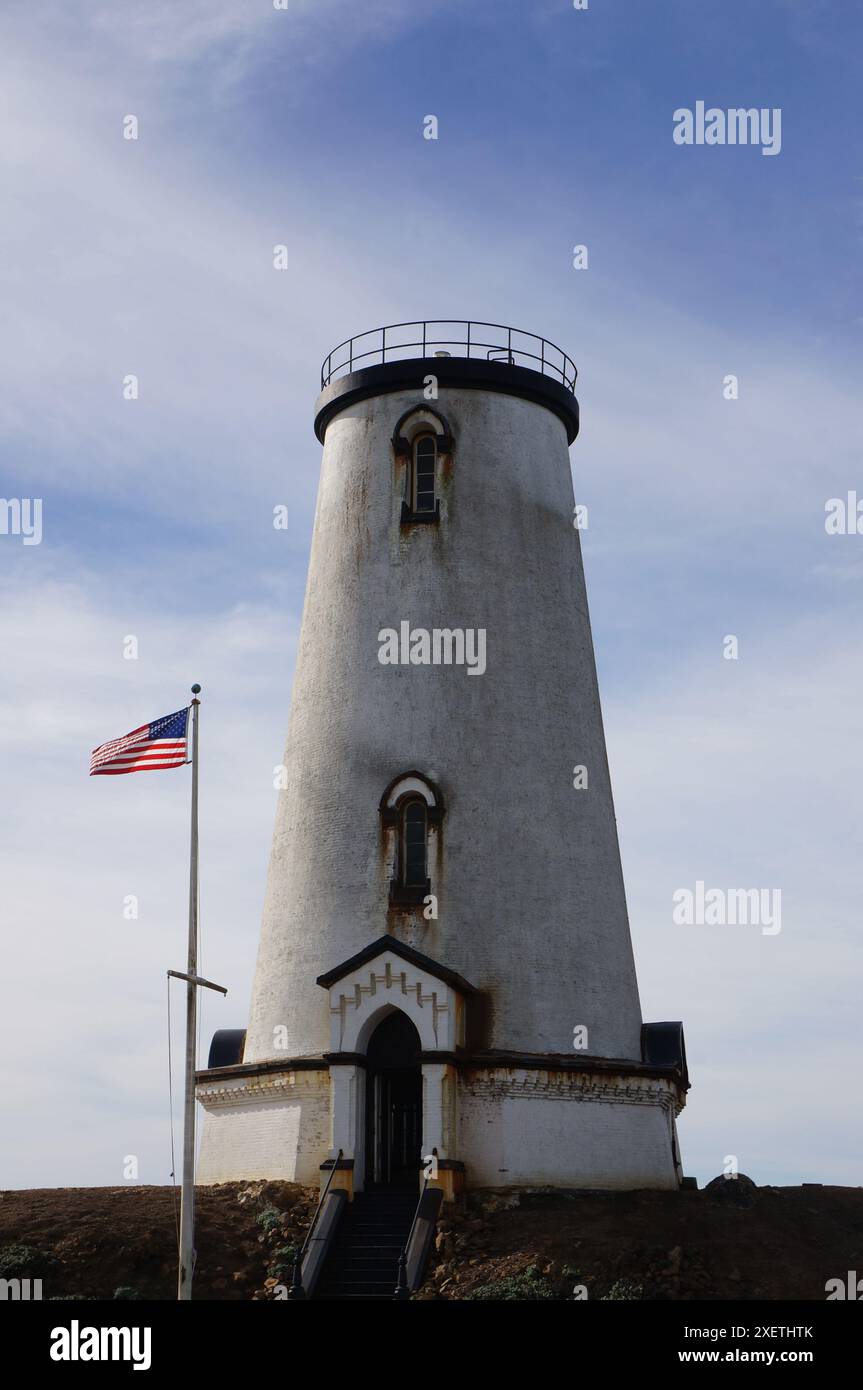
{"x":526,"y":1285}
{"x":623,"y":1289}
{"x":282,"y":1262}
{"x":269,"y":1220}
{"x":25,"y":1262}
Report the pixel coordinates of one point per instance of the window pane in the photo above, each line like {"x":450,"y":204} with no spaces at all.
{"x":424,"y":474}
{"x":414,"y":842}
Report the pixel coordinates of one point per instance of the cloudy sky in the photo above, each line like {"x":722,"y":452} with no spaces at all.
{"x":154,"y":257}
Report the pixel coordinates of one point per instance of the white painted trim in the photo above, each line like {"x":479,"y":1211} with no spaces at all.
{"x":411,"y":784}
{"x":360,"y":1000}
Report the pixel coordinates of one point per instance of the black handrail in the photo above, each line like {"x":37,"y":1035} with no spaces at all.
{"x":402,"y":1291}
{"x":539,"y":350}
{"x":297,"y":1290}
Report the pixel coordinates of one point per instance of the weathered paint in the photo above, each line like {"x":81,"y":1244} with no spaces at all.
{"x":526,"y":869}
{"x":531,"y":903}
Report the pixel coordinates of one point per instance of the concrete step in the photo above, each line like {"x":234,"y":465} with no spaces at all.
{"x":368,"y":1269}
{"x":354,"y":1297}
{"x":375,"y":1250}
{"x":362,"y":1263}
{"x":380,"y":1288}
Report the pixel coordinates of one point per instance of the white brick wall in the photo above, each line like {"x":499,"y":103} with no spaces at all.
{"x":514,"y":1128}
{"x":280,"y":1129}
{"x":522,"y":1129}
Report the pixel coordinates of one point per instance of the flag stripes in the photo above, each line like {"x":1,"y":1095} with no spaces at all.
{"x":160,"y":744}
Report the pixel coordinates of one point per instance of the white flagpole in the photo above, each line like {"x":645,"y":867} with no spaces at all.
{"x":187,"y":1200}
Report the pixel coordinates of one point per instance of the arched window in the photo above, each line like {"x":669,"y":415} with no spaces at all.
{"x":422,"y":480}
{"x":421,"y":439}
{"x":411,"y":810}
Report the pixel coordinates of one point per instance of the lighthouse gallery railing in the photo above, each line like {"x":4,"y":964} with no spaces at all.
{"x":494,"y":341}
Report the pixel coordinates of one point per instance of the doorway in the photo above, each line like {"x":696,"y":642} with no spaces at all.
{"x":394,"y":1103}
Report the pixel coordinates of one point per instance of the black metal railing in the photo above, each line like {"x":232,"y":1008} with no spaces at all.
{"x":493,"y":341}
{"x":402,"y":1289}
{"x":297,"y":1291}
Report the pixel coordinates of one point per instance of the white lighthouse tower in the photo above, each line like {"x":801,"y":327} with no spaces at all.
{"x":445,"y":979}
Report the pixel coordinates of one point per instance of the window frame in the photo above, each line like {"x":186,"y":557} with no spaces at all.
{"x":416,"y":425}
{"x":406,"y":789}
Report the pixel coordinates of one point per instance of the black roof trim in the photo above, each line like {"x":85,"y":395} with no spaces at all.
{"x":577,"y":1062}
{"x":662,"y":1044}
{"x":265,"y":1068}
{"x":398,"y":948}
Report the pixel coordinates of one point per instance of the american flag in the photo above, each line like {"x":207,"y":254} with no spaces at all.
{"x":153,"y":746}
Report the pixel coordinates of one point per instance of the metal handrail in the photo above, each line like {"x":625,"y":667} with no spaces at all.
{"x":297,"y":1273}
{"x":402,"y":1291}
{"x":560,"y":366}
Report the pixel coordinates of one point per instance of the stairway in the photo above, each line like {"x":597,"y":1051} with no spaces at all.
{"x":363,"y":1261}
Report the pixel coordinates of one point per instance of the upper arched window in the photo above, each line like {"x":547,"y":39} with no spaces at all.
{"x":420,"y":438}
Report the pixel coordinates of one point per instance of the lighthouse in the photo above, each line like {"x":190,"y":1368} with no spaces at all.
{"x":445,"y":988}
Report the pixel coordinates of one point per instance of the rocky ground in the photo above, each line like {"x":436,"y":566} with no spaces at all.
{"x":732,"y":1240}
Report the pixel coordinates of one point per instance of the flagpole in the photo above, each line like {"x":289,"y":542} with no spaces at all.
{"x":187,"y":1200}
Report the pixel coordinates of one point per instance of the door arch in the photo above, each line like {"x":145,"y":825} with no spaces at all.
{"x":394,"y":1103}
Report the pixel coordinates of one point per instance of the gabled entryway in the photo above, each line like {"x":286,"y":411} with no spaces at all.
{"x":397,"y":1019}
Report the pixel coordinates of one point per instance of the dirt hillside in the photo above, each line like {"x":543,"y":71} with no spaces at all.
{"x":732,"y":1240}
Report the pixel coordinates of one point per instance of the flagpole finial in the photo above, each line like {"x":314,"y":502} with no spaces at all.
{"x":196,"y":690}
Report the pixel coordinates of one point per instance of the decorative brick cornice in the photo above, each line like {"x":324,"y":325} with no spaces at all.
{"x":246,"y":1090}
{"x":495,"y":1075}
{"x":499,"y":1083}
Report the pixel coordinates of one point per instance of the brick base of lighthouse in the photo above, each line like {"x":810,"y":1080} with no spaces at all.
{"x":512,"y":1127}
{"x":492,"y":1120}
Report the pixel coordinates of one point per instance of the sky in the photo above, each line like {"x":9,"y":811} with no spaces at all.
{"x":153,"y":257}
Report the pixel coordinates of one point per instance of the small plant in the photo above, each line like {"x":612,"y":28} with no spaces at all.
{"x":282,"y":1262}
{"x":623,"y":1289}
{"x":22,"y":1262}
{"x":269,"y":1220}
{"x":127,"y":1292}
{"x":527,"y":1285}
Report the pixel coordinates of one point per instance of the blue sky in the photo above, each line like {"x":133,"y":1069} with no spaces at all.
{"x":706,"y":516}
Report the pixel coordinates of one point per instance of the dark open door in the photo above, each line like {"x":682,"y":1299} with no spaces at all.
{"x":394,"y":1103}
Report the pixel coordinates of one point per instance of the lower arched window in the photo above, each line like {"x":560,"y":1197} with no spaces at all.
{"x":411,"y":810}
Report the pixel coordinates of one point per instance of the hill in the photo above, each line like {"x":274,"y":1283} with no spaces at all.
{"x":732,"y":1240}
